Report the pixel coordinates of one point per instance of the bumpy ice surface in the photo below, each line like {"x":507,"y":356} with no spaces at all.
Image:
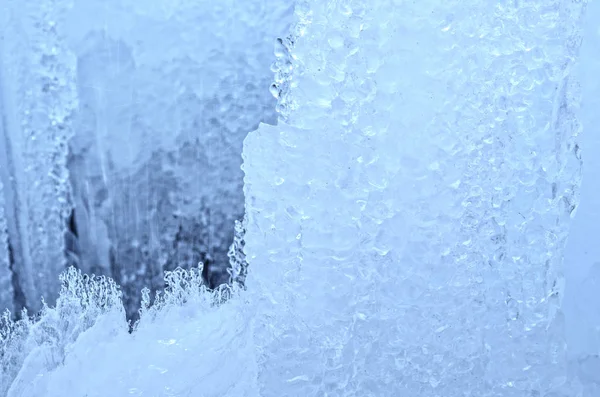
{"x":168,"y":92}
{"x":6,"y":288}
{"x":126,"y":121}
{"x":414,"y":201}
{"x":182,"y":346}
{"x":405,"y":226}
{"x":37,"y":102}
{"x":582,"y":268}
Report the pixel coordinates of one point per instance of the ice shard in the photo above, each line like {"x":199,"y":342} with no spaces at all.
{"x":406,"y":219}
{"x":37,"y":101}
{"x":168,"y":92}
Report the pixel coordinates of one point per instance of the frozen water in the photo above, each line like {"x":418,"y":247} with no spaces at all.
{"x":582,"y":254}
{"x":37,"y":76}
{"x":407,"y":218}
{"x":34,"y":349}
{"x":6,"y":288}
{"x":237,"y":257}
{"x":168,"y":92}
{"x":183,"y":345}
{"x":160,"y":95}
{"x":405,"y":221}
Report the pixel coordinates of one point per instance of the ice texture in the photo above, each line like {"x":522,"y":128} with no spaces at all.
{"x":406,"y":219}
{"x":146,"y":104}
{"x":6,"y":288}
{"x":37,"y":101}
{"x":168,"y":91}
{"x":237,"y":256}
{"x":582,"y":254}
{"x":183,"y":345}
{"x":33,"y":348}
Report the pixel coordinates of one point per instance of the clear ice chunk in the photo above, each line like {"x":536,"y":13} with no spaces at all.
{"x":406,"y":219}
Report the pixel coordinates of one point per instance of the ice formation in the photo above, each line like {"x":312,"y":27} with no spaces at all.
{"x":407,"y":217}
{"x":37,"y":101}
{"x":6,"y":288}
{"x":125,"y":119}
{"x":168,"y":92}
{"x":183,"y":345}
{"x":582,"y":254}
{"x":405,"y":220}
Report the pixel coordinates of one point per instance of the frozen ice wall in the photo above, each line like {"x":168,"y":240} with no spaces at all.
{"x":582,"y":254}
{"x":168,"y":92}
{"x":6,"y":288}
{"x":407,"y":218}
{"x":122,"y":130}
{"x":37,"y":101}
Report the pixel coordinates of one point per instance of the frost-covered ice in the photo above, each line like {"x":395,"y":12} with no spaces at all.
{"x":413,"y":207}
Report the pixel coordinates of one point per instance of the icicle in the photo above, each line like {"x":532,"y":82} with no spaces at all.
{"x":37,"y":76}
{"x":6,"y":288}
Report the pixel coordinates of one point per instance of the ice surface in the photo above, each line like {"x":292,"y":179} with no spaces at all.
{"x":237,"y":256}
{"x":168,"y":92}
{"x":37,"y":76}
{"x":406,"y":222}
{"x":164,"y":94}
{"x":30,"y":349}
{"x":582,"y":254}
{"x":6,"y":288}
{"x":183,"y":345}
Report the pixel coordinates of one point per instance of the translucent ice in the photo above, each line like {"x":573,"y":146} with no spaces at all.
{"x":168,"y":92}
{"x":160,"y":95}
{"x":582,"y":255}
{"x":31,"y":349}
{"x":407,"y":217}
{"x":405,"y":221}
{"x":6,"y":288}
{"x":37,"y":101}
{"x":183,"y":345}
